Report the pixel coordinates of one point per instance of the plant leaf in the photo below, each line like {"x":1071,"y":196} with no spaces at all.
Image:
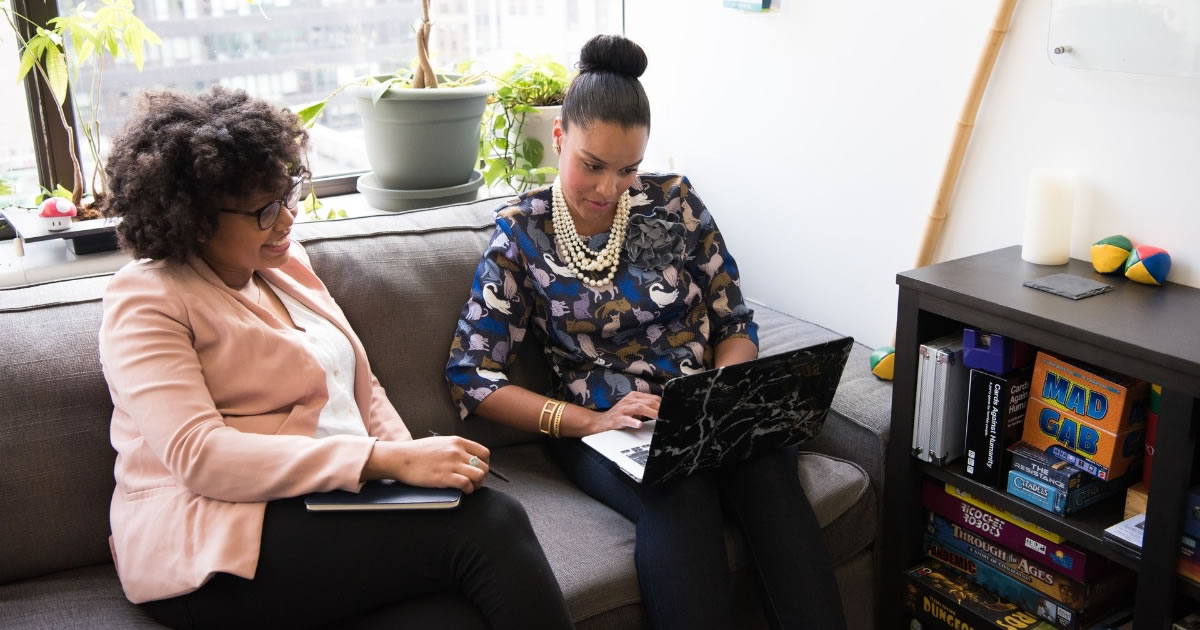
{"x":533,"y":151}
{"x":61,"y":192}
{"x":309,"y":113}
{"x":378,"y":91}
{"x":56,"y":70}
{"x":27,"y":60}
{"x":311,"y":203}
{"x":496,"y":168}
{"x":133,"y":42}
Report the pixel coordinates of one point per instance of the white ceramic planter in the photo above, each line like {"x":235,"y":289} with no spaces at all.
{"x":540,"y":126}
{"x":422,"y":139}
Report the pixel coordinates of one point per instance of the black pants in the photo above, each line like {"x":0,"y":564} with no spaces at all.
{"x":476,"y":566}
{"x":683,"y":569}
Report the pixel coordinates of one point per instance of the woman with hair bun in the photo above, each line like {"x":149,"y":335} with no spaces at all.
{"x":626,"y":280}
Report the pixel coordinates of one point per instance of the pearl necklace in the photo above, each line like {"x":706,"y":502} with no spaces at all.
{"x":579,"y":256}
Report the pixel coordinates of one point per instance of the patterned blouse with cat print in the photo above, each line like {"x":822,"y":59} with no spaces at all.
{"x":676,"y":295}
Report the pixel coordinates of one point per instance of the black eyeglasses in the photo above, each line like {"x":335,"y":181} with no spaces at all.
{"x":269,"y":214}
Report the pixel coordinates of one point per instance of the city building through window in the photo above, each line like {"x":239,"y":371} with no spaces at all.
{"x":295,"y":52}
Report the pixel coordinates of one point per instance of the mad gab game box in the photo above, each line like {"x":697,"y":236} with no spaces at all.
{"x":1091,"y":419}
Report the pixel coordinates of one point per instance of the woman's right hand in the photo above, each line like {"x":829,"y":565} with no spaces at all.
{"x":432,"y":462}
{"x":628,"y":413}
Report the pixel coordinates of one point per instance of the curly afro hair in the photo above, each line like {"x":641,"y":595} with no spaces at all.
{"x":181,"y":155}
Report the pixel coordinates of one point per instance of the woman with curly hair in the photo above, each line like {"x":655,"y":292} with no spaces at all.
{"x":238,"y":386}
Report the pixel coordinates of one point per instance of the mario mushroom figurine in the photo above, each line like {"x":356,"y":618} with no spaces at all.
{"x":57,"y":213}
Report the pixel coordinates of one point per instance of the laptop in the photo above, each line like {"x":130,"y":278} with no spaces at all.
{"x":720,"y":416}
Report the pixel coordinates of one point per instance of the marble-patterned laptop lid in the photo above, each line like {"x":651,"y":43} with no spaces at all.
{"x":725,"y":415}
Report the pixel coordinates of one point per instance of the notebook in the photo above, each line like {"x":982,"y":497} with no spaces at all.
{"x":725,"y":415}
{"x":384,"y":495}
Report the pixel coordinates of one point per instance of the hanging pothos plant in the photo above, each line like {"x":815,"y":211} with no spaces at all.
{"x":506,"y":153}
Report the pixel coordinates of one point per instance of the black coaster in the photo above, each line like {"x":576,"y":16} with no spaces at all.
{"x":1070,"y":286}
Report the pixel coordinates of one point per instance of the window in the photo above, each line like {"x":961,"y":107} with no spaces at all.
{"x":18,"y":159}
{"x":295,"y":52}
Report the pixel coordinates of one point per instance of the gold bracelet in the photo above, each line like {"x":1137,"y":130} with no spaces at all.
{"x":558,"y":414}
{"x":545,"y":418}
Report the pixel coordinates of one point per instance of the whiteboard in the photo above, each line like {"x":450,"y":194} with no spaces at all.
{"x":1160,"y":37}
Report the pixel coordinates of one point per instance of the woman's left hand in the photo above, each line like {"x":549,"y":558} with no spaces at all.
{"x":447,"y":461}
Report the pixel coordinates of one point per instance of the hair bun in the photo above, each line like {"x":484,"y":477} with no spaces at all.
{"x":612,"y":53}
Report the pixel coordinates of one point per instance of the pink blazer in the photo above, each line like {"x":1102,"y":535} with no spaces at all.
{"x":215,"y":403}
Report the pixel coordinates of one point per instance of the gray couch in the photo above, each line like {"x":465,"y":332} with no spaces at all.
{"x":401,"y":280}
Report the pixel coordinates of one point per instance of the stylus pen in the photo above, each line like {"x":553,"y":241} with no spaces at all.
{"x":498,"y":474}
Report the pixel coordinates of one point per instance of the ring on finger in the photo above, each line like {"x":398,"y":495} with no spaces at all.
{"x":474,"y":461}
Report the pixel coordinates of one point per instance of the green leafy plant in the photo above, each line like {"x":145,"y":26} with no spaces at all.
{"x":506,"y":154}
{"x":110,"y":31}
{"x":316,"y":210}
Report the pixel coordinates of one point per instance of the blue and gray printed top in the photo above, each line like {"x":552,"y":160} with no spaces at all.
{"x":675,"y":296}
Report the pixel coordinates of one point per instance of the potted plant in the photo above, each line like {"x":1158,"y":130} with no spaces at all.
{"x":519,"y":123}
{"x":421,"y":127}
{"x":111,"y":31}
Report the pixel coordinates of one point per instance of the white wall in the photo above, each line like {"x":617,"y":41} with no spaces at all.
{"x":817,"y":135}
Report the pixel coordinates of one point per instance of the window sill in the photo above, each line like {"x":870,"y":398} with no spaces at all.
{"x":51,"y":260}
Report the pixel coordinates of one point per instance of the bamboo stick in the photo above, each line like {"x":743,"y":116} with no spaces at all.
{"x":424,"y":76}
{"x":966,"y":124}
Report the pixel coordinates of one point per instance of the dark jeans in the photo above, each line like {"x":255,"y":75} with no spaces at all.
{"x":682,"y":566}
{"x":476,"y":566}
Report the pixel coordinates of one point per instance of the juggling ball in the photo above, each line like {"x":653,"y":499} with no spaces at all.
{"x":1148,"y":265}
{"x":883,"y":362}
{"x":1109,"y":254}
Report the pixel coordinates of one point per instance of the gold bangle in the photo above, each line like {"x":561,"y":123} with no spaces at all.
{"x":558,"y":414}
{"x":545,"y":418}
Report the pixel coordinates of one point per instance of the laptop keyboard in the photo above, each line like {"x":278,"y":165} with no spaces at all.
{"x":638,"y":454}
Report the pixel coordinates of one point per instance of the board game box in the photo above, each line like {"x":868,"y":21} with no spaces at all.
{"x":1107,"y":401}
{"x":1074,"y":563}
{"x":1076,"y":440}
{"x":940,"y":593}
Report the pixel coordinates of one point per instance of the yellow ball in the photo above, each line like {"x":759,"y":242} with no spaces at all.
{"x":883,"y":362}
{"x":1109,"y":254}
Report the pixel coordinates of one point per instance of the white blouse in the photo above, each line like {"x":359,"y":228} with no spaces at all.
{"x":326,"y":343}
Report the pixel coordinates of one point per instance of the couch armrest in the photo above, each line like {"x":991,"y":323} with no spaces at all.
{"x":858,"y":424}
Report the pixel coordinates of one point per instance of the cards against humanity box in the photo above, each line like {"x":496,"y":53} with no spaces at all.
{"x":995,"y":416}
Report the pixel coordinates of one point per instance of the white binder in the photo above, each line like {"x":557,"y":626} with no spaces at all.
{"x":940,"y":417}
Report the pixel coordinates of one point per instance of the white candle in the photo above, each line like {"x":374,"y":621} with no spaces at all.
{"x":1049,"y":209}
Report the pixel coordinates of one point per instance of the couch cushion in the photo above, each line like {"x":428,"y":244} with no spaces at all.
{"x":80,"y":599}
{"x":860,"y":417}
{"x":590,"y":547}
{"x":56,"y":465}
{"x":413,"y":272}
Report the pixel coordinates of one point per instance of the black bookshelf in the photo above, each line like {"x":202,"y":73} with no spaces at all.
{"x":1151,"y":333}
